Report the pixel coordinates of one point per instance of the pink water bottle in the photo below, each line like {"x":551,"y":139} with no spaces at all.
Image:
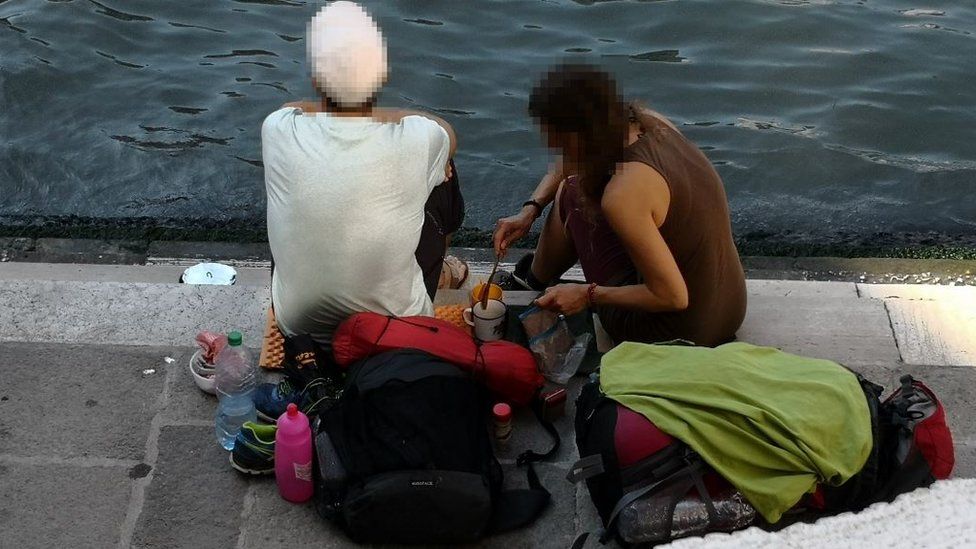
{"x":293,"y":456}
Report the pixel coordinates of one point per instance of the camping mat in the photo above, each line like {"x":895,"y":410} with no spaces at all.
{"x":272,"y":345}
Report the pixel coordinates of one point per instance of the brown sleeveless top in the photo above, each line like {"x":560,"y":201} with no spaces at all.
{"x":698,"y":232}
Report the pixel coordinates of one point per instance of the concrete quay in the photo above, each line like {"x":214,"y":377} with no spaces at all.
{"x":106,"y":442}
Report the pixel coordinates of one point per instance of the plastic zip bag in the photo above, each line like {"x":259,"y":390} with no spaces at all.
{"x":556,"y":350}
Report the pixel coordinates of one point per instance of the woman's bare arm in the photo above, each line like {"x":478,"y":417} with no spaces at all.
{"x":629,"y":207}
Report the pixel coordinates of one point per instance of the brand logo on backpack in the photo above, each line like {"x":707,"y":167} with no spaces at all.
{"x":424,"y":483}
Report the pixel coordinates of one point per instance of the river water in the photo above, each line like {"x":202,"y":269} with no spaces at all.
{"x":824,"y":118}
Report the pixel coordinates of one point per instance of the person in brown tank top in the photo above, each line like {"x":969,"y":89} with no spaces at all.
{"x":646,"y":216}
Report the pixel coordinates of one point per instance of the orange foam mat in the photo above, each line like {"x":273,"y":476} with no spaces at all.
{"x":273,"y":345}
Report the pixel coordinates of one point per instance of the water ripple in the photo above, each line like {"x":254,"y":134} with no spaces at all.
{"x":660,"y":56}
{"x":120,"y":15}
{"x":241,"y":53}
{"x":201,"y":27}
{"x":119,"y":61}
{"x":5,"y":21}
{"x":186,"y":140}
{"x":296,"y":3}
{"x":187,"y":110}
{"x":427,"y":22}
{"x":863,"y":112}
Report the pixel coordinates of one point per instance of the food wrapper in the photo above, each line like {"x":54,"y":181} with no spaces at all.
{"x":211,"y":344}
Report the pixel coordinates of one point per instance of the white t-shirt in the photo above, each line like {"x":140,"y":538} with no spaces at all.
{"x":346,"y":203}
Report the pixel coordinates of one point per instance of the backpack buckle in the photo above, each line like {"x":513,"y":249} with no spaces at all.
{"x":585,"y":468}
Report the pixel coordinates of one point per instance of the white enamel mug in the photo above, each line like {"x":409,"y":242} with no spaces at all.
{"x":488,"y":322}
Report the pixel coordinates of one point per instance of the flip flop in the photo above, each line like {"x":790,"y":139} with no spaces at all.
{"x":454,"y":274}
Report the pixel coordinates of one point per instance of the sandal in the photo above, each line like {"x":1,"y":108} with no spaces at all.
{"x":454,"y":273}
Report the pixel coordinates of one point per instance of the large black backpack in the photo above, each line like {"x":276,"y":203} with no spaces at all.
{"x":404,"y":456}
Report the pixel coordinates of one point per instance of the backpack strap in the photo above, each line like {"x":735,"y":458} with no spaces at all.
{"x":692,"y":469}
{"x":530,"y":456}
{"x":517,"y":508}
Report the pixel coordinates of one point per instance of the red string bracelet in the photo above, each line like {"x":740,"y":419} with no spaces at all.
{"x":590,"y":302}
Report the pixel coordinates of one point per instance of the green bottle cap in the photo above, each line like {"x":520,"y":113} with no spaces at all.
{"x":234,"y":339}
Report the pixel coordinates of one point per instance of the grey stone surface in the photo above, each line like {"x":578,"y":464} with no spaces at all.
{"x":587,"y":517}
{"x":157,"y":274}
{"x":557,"y":525}
{"x":528,"y":433}
{"x":61,"y":506}
{"x":128,"y":313}
{"x":917,"y":292}
{"x":274,"y":522}
{"x":77,"y":400}
{"x":847,"y":330}
{"x":798,"y":289}
{"x":208,"y":251}
{"x":278,"y":523}
{"x":965,"y":461}
{"x":71,"y":250}
{"x":15,"y":248}
{"x":933,"y":324}
{"x":96,"y":407}
{"x":186,"y":401}
{"x":195,"y":498}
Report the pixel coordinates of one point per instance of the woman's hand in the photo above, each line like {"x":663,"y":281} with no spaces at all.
{"x":512,"y":228}
{"x":567,"y":299}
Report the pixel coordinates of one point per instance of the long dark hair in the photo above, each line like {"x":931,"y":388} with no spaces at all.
{"x":582,"y":99}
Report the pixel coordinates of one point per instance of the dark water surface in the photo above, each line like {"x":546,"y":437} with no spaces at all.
{"x":824,"y":118}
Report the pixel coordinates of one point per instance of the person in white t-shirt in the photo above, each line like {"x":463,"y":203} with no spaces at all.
{"x":360,"y":199}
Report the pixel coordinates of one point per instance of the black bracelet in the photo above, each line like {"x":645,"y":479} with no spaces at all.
{"x":537,"y":206}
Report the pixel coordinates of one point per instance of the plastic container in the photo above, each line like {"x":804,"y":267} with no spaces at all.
{"x":502,"y":418}
{"x":235,"y":380}
{"x":203,"y":373}
{"x":293,"y":456}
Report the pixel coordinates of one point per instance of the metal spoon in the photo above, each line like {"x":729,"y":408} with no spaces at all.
{"x":487,"y":286}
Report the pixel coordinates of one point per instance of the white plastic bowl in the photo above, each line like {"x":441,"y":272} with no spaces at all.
{"x":203,"y":373}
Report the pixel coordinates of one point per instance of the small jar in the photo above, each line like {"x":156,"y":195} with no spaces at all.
{"x":502,"y":416}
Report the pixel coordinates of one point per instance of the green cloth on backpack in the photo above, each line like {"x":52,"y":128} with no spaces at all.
{"x":772,"y":423}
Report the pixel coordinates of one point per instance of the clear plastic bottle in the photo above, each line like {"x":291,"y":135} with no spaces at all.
{"x":236,"y":378}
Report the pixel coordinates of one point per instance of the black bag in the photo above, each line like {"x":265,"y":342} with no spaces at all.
{"x":405,"y":457}
{"x":647,"y":486}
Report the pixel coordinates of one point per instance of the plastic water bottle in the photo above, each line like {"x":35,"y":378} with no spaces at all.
{"x":293,"y":456}
{"x":235,"y":381}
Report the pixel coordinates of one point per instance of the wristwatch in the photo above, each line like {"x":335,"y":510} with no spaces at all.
{"x":537,"y":207}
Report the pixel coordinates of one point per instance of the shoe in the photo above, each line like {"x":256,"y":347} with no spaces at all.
{"x":516,"y":280}
{"x":272,"y":399}
{"x":454,"y":273}
{"x":254,"y":446}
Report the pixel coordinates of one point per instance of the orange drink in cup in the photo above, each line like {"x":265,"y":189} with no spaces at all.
{"x":494,"y":292}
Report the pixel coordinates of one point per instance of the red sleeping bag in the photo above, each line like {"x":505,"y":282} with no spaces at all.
{"x":507,"y":369}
